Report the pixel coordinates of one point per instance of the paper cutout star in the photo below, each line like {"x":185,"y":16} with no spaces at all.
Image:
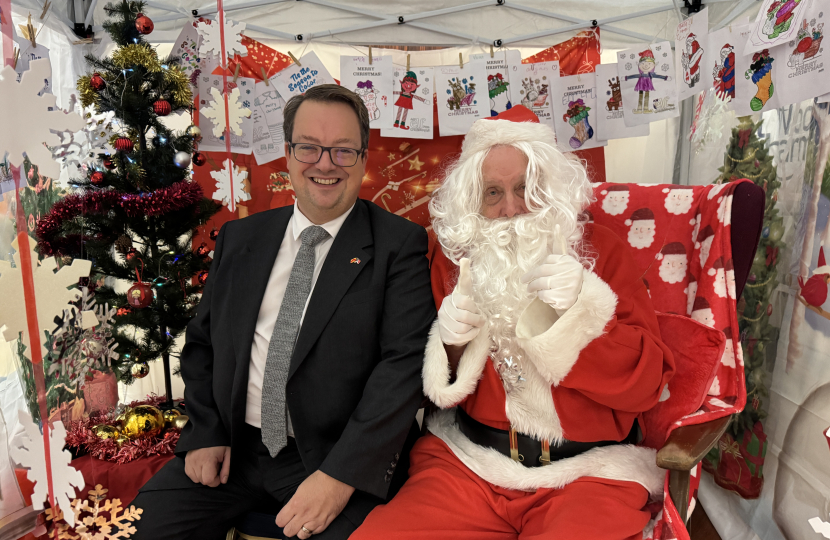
{"x":391,"y":156}
{"x":415,"y":163}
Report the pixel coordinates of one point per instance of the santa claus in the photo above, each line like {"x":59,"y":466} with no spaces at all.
{"x":545,"y":351}
{"x":679,"y":199}
{"x":702,"y":312}
{"x":691,"y":61}
{"x":673,"y":262}
{"x":719,"y":273}
{"x":704,"y":244}
{"x":615,"y":199}
{"x":641,"y":228}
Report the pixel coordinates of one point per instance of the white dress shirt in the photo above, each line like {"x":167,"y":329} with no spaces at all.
{"x":272,"y":300}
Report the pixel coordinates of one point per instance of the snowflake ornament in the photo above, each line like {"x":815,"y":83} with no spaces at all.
{"x":216,"y":112}
{"x":31,"y":454}
{"x":212,"y":39}
{"x":30,"y":120}
{"x":711,"y":116}
{"x":51,"y":293}
{"x":223,"y":185}
{"x":78,"y":151}
{"x":97,"y":521}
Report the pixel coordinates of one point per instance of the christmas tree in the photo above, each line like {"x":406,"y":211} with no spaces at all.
{"x":748,"y":157}
{"x":136,"y":208}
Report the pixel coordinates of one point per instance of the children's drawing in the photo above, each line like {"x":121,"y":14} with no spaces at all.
{"x":608,"y":116}
{"x":807,"y":43}
{"x":574,"y":98}
{"x":779,"y":17}
{"x":690,"y":60}
{"x":777,"y":22}
{"x":409,"y":85}
{"x":366,"y":91}
{"x":534,"y":92}
{"x":499,"y":69}
{"x":462,"y":96}
{"x":577,"y":117}
{"x":462,"y":92}
{"x":538,"y":87}
{"x":646,"y":66}
{"x":496,"y":85}
{"x":614,"y":103}
{"x":760,"y":73}
{"x":724,"y":72}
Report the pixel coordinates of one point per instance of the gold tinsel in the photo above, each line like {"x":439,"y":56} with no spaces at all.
{"x":88,"y":94}
{"x":137,"y":55}
{"x":180,"y":86}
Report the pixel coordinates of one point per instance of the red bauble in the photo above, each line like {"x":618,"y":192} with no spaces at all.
{"x":214,"y":234}
{"x":202,"y":277}
{"x":123,"y":311}
{"x":131,"y":254}
{"x":97,"y":177}
{"x":97,"y":82}
{"x":108,"y":163}
{"x":769,"y":310}
{"x":143,"y":24}
{"x":202,"y":250}
{"x":124,"y":144}
{"x":199,"y":159}
{"x":140,"y":295}
{"x":162,"y":107}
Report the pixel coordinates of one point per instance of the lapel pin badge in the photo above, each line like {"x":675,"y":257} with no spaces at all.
{"x":354,"y":261}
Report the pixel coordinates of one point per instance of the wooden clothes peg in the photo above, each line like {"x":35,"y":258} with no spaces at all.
{"x":294,"y":59}
{"x":407,"y":62}
{"x":460,"y":61}
{"x":264,"y":76}
{"x":370,"y":55}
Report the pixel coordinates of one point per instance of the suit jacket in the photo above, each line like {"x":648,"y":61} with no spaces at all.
{"x":354,"y":381}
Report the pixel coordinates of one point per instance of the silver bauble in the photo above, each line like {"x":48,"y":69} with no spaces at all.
{"x":182,"y":159}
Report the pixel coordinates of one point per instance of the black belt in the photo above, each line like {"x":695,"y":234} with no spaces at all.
{"x":527,"y":450}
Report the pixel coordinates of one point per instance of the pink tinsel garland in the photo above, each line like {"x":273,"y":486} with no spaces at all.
{"x":82,"y":436}
{"x":161,"y":201}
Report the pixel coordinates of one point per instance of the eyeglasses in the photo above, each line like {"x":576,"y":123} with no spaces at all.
{"x":311,"y":153}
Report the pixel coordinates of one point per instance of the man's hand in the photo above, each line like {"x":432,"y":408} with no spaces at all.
{"x":208,"y":466}
{"x":459,"y":319}
{"x":557,"y":281}
{"x":318,"y":500}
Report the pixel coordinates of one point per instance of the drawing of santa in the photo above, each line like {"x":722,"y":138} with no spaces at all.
{"x":691,"y":60}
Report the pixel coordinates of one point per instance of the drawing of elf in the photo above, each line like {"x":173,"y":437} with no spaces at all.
{"x":409,"y":85}
{"x":644,"y":85}
{"x":760,"y":71}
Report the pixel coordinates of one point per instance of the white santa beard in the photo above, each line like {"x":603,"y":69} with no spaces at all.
{"x":720,"y":283}
{"x":615,"y":205}
{"x":497,"y":263}
{"x":690,"y":297}
{"x":641,"y":234}
{"x":704,"y":316}
{"x":730,"y":283}
{"x":728,"y":358}
{"x":705,"y":246}
{"x":673,"y":268}
{"x":678,"y":205}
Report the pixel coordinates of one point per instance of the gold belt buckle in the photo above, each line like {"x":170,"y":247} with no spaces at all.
{"x":545,"y":457}
{"x":514,"y":446}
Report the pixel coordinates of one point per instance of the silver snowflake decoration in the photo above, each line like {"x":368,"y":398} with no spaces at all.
{"x":710,"y":120}
{"x":78,"y":151}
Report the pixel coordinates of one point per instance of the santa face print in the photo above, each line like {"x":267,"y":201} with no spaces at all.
{"x":679,"y":201}
{"x":691,"y":293}
{"x":725,"y":210}
{"x":730,"y":283}
{"x":673,"y":268}
{"x":705,"y":246}
{"x":728,"y":358}
{"x":720,"y":283}
{"x":641,"y":234}
{"x":615,"y":202}
{"x":704,"y":316}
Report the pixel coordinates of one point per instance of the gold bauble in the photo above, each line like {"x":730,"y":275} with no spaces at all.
{"x":170,"y":415}
{"x":139,"y":370}
{"x":180,"y":421}
{"x":104,"y":431}
{"x":142,"y":421}
{"x":120,"y":418}
{"x":121,"y":439}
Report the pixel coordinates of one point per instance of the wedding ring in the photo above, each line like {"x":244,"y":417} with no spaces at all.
{"x":306,"y":530}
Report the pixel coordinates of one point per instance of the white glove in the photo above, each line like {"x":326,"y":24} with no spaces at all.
{"x":556,"y":282}
{"x":459,"y":319}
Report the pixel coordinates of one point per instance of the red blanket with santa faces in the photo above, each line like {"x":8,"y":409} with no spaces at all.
{"x":680,"y":237}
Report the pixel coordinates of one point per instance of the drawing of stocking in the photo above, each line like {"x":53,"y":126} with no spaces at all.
{"x":765,"y":91}
{"x":582,"y":132}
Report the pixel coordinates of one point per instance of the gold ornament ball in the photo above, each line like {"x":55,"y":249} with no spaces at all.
{"x":170,"y":415}
{"x":195,"y":132}
{"x":120,"y":418}
{"x":180,"y":421}
{"x":142,"y":421}
{"x":121,"y":439}
{"x":104,"y":431}
{"x":139,"y":370}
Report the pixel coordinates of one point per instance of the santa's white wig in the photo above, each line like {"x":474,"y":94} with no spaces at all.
{"x":557,"y":189}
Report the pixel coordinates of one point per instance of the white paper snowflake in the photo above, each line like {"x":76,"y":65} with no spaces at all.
{"x":216,"y":112}
{"x":51,"y":293}
{"x":820,"y":526}
{"x":65,"y":478}
{"x":212,"y":40}
{"x":710,"y":119}
{"x":29,"y":121}
{"x":101,"y":520}
{"x":223,"y":185}
{"x":79,"y":151}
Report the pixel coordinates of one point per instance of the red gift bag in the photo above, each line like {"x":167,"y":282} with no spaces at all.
{"x":101,"y":392}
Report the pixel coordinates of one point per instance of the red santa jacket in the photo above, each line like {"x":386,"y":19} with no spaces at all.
{"x":588,"y":375}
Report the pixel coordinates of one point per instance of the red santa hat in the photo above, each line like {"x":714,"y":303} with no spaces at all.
{"x":729,"y":266}
{"x":727,"y":332}
{"x":642,"y":214}
{"x":700,"y":303}
{"x":705,"y":233}
{"x":822,"y":267}
{"x":614,"y":187}
{"x":674,"y":248}
{"x":718,"y":265}
{"x":517,"y":124}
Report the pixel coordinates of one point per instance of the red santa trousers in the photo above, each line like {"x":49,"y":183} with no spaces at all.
{"x":443,"y":499}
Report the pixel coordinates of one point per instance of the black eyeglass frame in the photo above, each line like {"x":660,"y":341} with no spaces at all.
{"x":328,"y":149}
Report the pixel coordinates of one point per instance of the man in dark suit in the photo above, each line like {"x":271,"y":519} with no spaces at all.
{"x":302,"y":365}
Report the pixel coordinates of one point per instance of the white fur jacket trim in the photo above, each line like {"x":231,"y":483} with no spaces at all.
{"x":553,"y":343}
{"x":436,"y":370}
{"x":618,"y":462}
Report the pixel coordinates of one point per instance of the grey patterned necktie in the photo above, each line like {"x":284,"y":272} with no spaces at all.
{"x":281,"y":346}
